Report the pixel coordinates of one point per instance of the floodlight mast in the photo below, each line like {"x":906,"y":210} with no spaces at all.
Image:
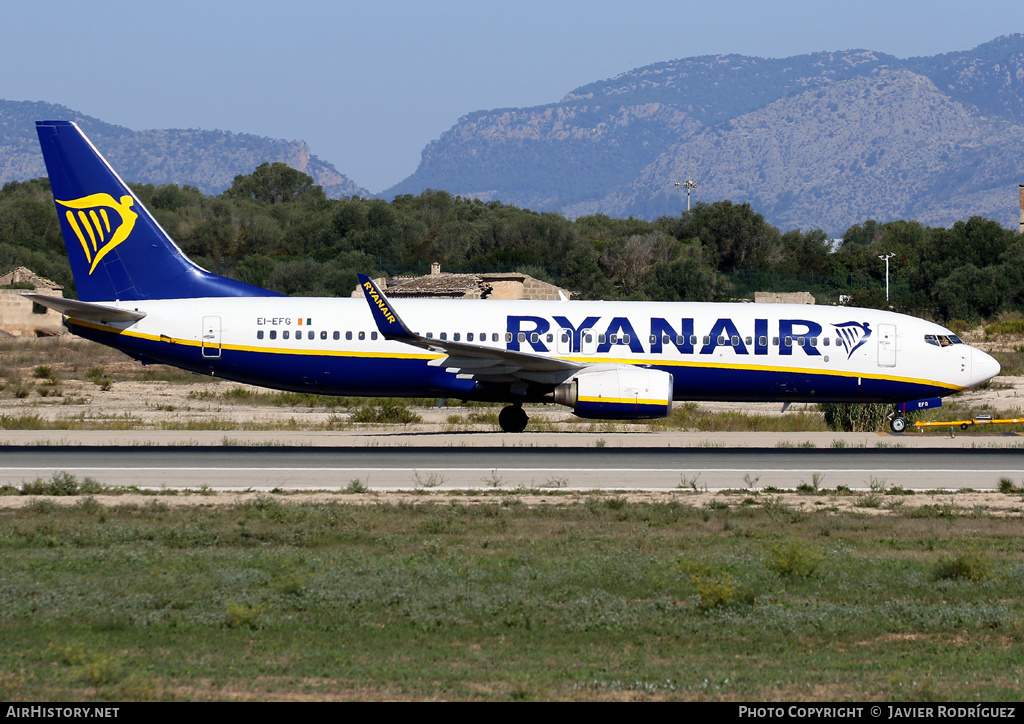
{"x":689,"y":185}
{"x":886,"y":258}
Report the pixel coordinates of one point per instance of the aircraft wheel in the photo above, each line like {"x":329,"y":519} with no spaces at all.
{"x":512,"y":418}
{"x":898,"y":424}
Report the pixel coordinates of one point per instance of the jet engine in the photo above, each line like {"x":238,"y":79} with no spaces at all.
{"x":623,"y":393}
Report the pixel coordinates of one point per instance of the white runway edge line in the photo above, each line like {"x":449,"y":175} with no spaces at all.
{"x":892,"y":471}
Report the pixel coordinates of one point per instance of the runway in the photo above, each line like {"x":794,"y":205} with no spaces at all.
{"x":483,"y":467}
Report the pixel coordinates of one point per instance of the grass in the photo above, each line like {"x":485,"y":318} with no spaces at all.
{"x":588,"y":598}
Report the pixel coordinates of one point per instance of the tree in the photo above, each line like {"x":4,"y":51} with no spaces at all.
{"x":736,"y":236}
{"x":275,"y":183}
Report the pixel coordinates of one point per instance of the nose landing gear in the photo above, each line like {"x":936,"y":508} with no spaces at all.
{"x":897,"y":423}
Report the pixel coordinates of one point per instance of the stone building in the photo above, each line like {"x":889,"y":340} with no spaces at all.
{"x":21,"y":317}
{"x":496,"y":285}
{"x":783,"y":298}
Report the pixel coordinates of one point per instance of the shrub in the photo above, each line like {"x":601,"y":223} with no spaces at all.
{"x":720,"y":590}
{"x":793,"y":559}
{"x":966,"y":566}
{"x":388,"y":412}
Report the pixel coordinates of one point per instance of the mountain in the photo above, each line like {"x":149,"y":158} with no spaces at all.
{"x":824,"y":140}
{"x":208,"y":160}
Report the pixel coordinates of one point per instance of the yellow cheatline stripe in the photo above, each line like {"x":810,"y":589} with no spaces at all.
{"x":768,"y":368}
{"x":624,"y":401}
{"x":245,"y":348}
{"x":651,"y":363}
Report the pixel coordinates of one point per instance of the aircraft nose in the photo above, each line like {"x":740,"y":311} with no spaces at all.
{"x":983,"y":367}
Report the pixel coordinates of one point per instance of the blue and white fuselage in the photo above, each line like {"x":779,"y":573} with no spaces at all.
{"x":140,"y":294}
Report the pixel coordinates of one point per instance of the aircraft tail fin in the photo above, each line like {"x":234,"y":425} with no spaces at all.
{"x":117,"y":249}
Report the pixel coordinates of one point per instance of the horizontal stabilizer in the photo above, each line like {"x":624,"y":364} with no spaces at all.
{"x":86,"y":310}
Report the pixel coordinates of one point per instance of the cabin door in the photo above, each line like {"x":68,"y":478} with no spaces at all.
{"x":211,"y":337}
{"x":563,"y":345}
{"x":886,"y":345}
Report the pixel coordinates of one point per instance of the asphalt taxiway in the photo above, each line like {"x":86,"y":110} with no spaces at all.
{"x":402,"y":461}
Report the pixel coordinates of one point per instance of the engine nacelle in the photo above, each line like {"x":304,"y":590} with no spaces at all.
{"x":619,"y":393}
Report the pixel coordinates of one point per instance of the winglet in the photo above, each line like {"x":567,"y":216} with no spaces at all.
{"x":388,"y":322}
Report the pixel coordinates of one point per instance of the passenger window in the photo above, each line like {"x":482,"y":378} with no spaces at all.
{"x":625,"y":339}
{"x":312,"y":335}
{"x":721,"y":339}
{"x":469,"y":336}
{"x":588,"y":338}
{"x":680,"y":340}
{"x":337,"y":334}
{"x":323,"y":334}
{"x":348,"y":335}
{"x":284,"y":334}
{"x":373,"y":335}
{"x":508,"y":337}
{"x":456,"y":337}
{"x":735,"y":341}
{"x":494,"y":337}
{"x":707,"y":341}
{"x":762,"y":341}
{"x":522,"y":337}
{"x":273,"y":334}
{"x":551,"y":338}
{"x":362,"y":335}
{"x":789,"y":341}
{"x":534,"y":337}
{"x":565,"y":337}
{"x":693,"y":339}
{"x":259,"y":334}
{"x":430,"y":335}
{"x":748,"y":340}
{"x":613,"y":338}
{"x":600,"y":339}
{"x":814,"y":341}
{"x":824,"y":341}
{"x":775,"y":341}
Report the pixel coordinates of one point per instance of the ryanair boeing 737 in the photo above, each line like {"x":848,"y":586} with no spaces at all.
{"x":624,"y":360}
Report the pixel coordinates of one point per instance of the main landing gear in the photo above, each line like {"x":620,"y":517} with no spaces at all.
{"x":513,"y":418}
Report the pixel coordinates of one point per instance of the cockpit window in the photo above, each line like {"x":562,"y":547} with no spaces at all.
{"x":942,"y":340}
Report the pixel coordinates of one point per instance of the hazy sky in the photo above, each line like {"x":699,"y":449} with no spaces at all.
{"x":368,"y":84}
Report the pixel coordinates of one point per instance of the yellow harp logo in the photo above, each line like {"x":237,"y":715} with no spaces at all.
{"x":90,"y":219}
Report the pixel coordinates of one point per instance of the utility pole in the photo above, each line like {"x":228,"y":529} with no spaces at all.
{"x":886,"y":259}
{"x":689,"y":185}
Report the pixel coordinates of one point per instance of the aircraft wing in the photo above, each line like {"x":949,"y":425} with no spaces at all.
{"x":468,"y":361}
{"x":85,"y":310}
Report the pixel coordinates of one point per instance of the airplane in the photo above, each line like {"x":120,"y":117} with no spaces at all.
{"x":139,"y":293}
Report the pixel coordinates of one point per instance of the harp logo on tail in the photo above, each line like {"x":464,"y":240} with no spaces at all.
{"x":100,"y":223}
{"x":853,"y":335}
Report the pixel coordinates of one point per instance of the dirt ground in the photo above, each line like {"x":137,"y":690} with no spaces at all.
{"x":942,"y":504}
